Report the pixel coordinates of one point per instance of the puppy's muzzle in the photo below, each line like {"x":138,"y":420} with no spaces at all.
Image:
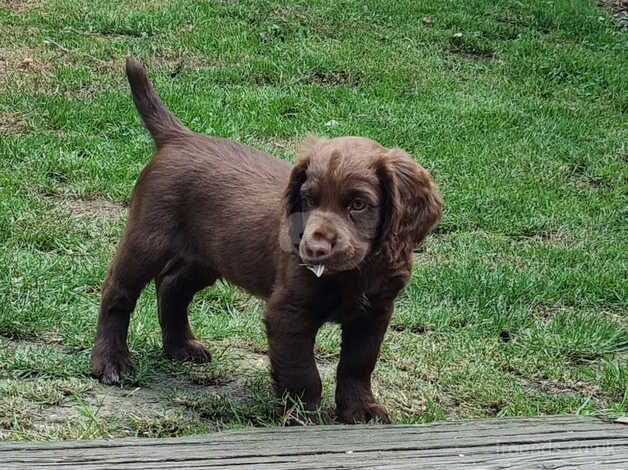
{"x":317,"y":249}
{"x":319,"y":241}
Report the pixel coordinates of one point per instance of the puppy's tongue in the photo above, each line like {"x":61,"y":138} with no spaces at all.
{"x":317,"y":269}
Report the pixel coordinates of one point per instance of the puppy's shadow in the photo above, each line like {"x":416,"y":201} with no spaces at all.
{"x":234,"y":390}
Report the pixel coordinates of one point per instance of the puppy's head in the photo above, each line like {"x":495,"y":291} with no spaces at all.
{"x":348,"y":197}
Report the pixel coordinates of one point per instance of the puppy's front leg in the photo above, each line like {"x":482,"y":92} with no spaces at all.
{"x":361,"y":341}
{"x":291,"y":335}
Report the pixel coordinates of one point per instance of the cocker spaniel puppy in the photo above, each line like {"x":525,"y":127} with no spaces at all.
{"x":328,"y":239}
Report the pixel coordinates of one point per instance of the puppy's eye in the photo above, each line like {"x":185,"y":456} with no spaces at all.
{"x":357,"y":205}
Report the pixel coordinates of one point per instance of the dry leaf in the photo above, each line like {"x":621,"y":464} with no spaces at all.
{"x":27,"y":63}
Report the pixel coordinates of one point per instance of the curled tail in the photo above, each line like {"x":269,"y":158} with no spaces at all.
{"x":160,"y":122}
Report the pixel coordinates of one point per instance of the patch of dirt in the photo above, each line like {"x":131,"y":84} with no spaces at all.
{"x":453,"y":408}
{"x":115,"y":401}
{"x":416,"y":329}
{"x":555,"y":386}
{"x":580,"y":176}
{"x":290,"y":145}
{"x":427,"y":257}
{"x":153,"y":402}
{"x":408,"y":405}
{"x":177,"y":61}
{"x":334,"y":78}
{"x":23,"y":70}
{"x":473,"y":54}
{"x":278,"y":145}
{"x":19,"y":6}
{"x":90,"y":208}
{"x":29,"y":70}
{"x":550,"y":237}
{"x":443,"y":229}
{"x":168,"y":59}
{"x":163,"y":392}
{"x":19,"y":59}
{"x":470,"y":47}
{"x":12,"y":123}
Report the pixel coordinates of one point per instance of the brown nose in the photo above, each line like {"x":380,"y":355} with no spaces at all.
{"x":318,"y":248}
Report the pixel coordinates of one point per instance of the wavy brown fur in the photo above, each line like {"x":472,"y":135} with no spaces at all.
{"x":207,"y":208}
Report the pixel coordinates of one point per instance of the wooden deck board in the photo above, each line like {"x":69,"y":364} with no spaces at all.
{"x":542,"y":442}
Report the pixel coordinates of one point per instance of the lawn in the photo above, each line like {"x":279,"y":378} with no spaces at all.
{"x":518,"y":301}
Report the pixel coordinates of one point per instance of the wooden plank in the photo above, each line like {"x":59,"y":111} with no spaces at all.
{"x":488,"y":427}
{"x":541,"y":442}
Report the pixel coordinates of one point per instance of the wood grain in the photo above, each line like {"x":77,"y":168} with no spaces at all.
{"x":563,"y":442}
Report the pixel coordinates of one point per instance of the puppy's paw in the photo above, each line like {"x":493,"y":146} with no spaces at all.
{"x":190,"y":351}
{"x":362,"y":412}
{"x":111,"y":367}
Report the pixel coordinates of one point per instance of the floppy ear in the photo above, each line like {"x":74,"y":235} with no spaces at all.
{"x":417,"y":204}
{"x":389,"y":209}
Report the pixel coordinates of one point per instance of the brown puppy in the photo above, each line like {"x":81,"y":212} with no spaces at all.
{"x":328,"y":239}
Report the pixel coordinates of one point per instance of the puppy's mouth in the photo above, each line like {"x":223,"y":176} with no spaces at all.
{"x":329,"y":268}
{"x":333,"y":265}
{"x":317,"y":269}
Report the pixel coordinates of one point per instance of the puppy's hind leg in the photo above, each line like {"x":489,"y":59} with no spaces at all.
{"x":136,"y":262}
{"x":176,"y":286}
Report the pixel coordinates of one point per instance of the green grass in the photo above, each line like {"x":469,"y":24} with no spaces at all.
{"x":517,"y":305}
